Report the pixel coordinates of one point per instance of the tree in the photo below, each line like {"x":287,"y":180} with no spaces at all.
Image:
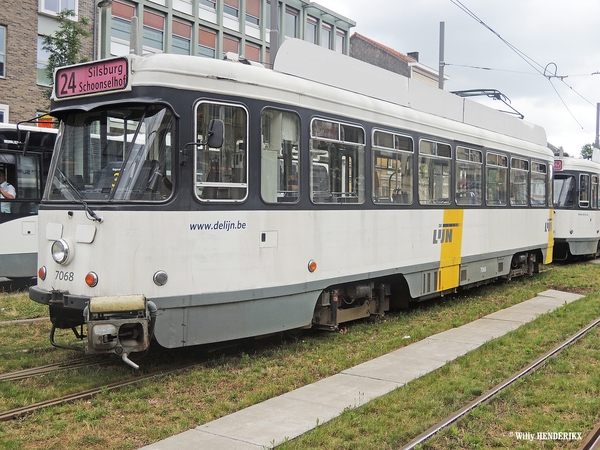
{"x":586,"y":151}
{"x":65,"y":45}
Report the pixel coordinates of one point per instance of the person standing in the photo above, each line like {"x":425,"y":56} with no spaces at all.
{"x":7,"y":191}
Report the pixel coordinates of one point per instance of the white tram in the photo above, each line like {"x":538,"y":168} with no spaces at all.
{"x":576,"y":208}
{"x":195,"y":200}
{"x":25,"y":153}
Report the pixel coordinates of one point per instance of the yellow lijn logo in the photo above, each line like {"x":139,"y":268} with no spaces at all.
{"x":450,"y":236}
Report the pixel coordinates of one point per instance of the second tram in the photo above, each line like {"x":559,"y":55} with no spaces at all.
{"x":25,"y":154}
{"x":576,"y":208}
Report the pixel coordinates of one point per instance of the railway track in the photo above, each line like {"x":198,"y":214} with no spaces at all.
{"x":49,"y":368}
{"x":85,"y":395}
{"x":432,"y":431}
{"x":20,"y":321}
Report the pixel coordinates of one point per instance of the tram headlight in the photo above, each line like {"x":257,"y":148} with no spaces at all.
{"x":61,"y":251}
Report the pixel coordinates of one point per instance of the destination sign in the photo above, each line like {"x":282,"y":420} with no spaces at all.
{"x":93,"y":78}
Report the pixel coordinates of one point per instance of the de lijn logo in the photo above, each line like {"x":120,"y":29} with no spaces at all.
{"x":443,"y":234}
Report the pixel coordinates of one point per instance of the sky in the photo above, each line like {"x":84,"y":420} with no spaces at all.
{"x":550,"y":68}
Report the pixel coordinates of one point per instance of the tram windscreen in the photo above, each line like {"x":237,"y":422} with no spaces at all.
{"x":564,"y":191}
{"x":114,"y":154}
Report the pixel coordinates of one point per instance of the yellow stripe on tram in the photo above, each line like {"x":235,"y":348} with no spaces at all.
{"x":450,"y":253}
{"x":550,"y":231}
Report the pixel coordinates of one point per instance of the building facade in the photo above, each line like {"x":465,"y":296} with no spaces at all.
{"x":207,"y":28}
{"x":373,"y":52}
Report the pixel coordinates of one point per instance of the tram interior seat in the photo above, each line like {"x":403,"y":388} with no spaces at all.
{"x":104,"y":178}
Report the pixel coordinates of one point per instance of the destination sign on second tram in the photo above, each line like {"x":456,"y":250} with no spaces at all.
{"x":86,"y":79}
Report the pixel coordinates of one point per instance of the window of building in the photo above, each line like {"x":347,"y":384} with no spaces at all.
{"x":231,"y":7}
{"x":4,"y":113}
{"x":280,"y":167}
{"x":519,"y":170}
{"x":252,"y":52}
{"x":291,"y":22}
{"x":42,"y":63}
{"x":207,"y":40}
{"x":310,"y":34}
{"x":496,"y":175}
{"x":211,"y":4}
{"x":326,"y":35}
{"x":120,"y":24}
{"x":268,"y":15}
{"x":253,"y":12}
{"x":434,"y":173}
{"x":56,"y":6}
{"x":153,"y":31}
{"x":539,"y":181}
{"x":2,"y":51}
{"x":469,"y":173}
{"x":231,"y":44}
{"x":182,"y":37}
{"x":392,"y":168}
{"x":221,"y":173}
{"x":340,"y":41}
{"x":337,"y":153}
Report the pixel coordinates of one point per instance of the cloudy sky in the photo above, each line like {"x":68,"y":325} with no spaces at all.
{"x":559,"y":38}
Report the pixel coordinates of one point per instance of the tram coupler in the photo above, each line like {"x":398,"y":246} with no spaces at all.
{"x":121,"y":324}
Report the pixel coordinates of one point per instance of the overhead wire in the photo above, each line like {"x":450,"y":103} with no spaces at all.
{"x":530,"y":61}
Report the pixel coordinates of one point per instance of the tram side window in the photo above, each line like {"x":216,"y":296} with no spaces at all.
{"x":538,"y":184}
{"x":434,"y":173}
{"x":392,"y":168}
{"x":279,"y":156}
{"x":496,"y":175}
{"x":584,"y":191}
{"x":519,"y":169}
{"x":469,"y":172}
{"x":564,"y":191}
{"x":222,"y":173}
{"x":594,"y":199}
{"x":337,"y":153}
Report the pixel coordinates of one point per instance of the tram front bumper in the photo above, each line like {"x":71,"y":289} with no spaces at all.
{"x":121,"y":324}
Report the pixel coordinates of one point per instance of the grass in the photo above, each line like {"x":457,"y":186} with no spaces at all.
{"x":234,"y":379}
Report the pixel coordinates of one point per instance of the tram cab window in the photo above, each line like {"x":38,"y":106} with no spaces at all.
{"x":434,"y":173}
{"x":564,"y":191}
{"x":519,"y":171}
{"x":594,"y":199}
{"x":496,"y":175}
{"x":469,"y":172}
{"x":337,"y":165}
{"x":279,"y":156}
{"x":116,"y":154}
{"x":584,"y":191}
{"x":392,"y":168}
{"x":538,"y":184}
{"x":222,"y":173}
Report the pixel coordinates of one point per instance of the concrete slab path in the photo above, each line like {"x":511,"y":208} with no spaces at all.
{"x":290,"y":415}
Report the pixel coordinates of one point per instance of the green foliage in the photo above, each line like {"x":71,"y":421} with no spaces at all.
{"x":586,"y":151}
{"x":66,"y":43}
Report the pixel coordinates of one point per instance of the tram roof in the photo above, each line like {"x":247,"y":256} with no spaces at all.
{"x":311,"y":62}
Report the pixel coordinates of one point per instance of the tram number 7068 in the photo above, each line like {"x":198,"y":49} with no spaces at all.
{"x":64,"y":276}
